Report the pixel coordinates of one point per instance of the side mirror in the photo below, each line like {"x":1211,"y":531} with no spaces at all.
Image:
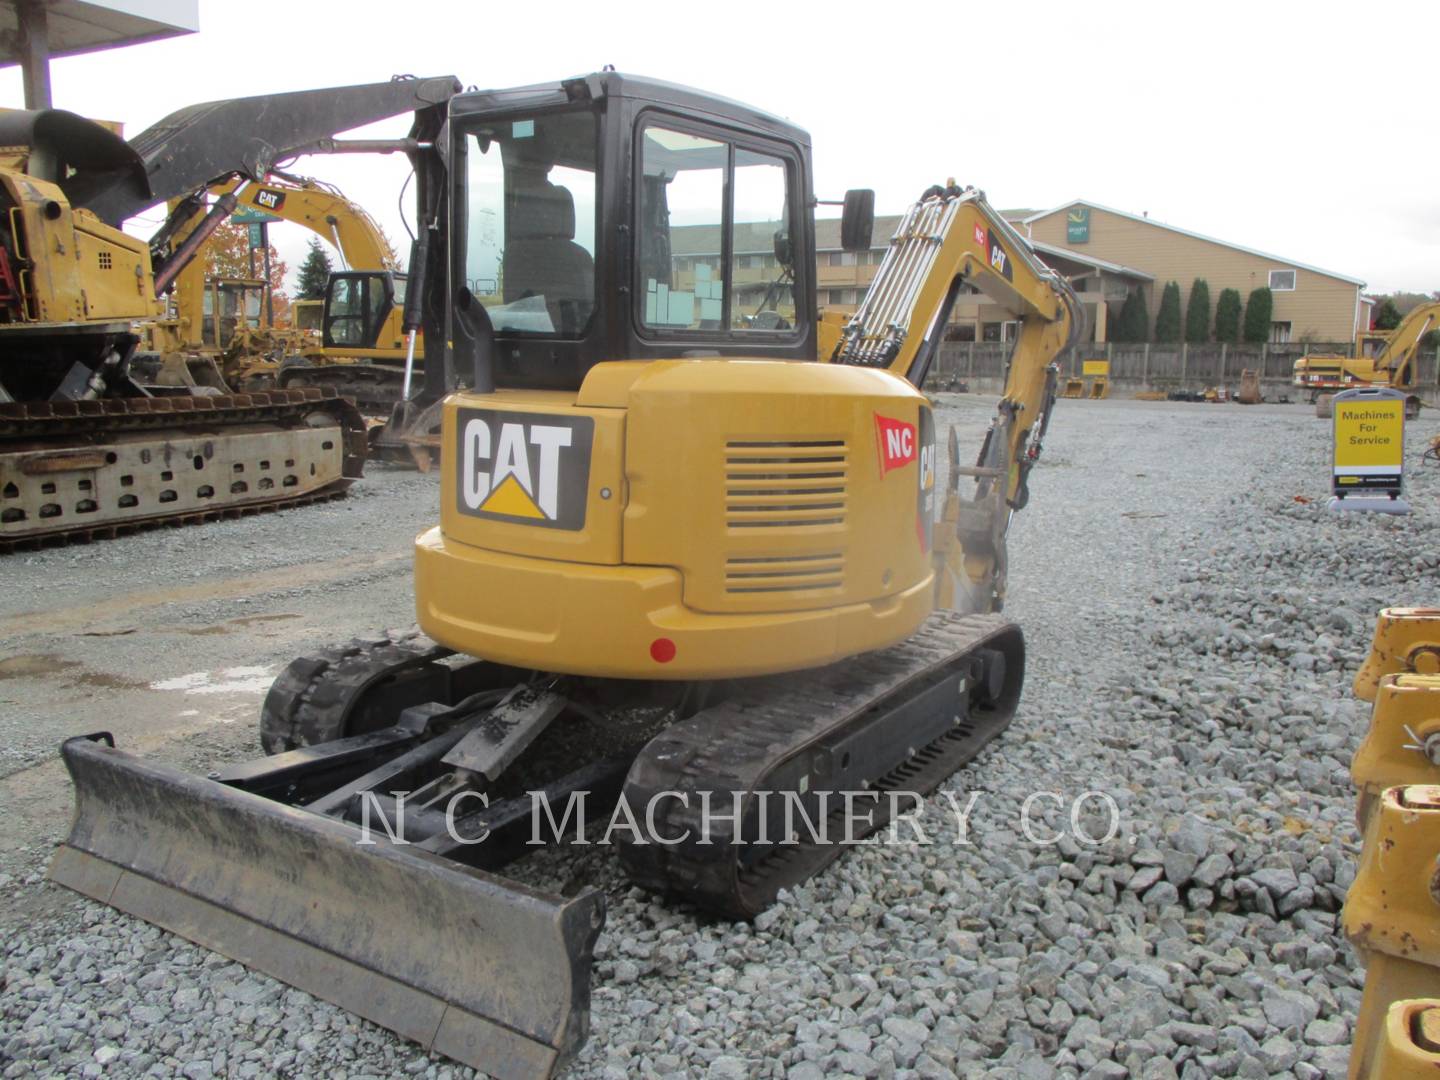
{"x":784,"y":254}
{"x":858,"y":220}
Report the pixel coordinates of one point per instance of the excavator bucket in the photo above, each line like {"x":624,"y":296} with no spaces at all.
{"x":466,"y":963}
{"x":1074,"y":388}
{"x":1099,"y":388}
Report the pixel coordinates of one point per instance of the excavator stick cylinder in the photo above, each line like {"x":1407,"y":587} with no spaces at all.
{"x":465,"y":963}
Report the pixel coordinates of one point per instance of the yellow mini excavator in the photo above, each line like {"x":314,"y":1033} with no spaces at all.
{"x":696,"y":566}
{"x":89,"y":446}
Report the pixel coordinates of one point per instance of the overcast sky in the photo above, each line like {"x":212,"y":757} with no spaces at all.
{"x":1294,"y":128}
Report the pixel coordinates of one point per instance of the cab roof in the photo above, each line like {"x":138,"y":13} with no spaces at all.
{"x":608,"y":84}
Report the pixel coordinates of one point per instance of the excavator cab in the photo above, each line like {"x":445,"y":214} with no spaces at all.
{"x":613,"y":218}
{"x":362,"y":309}
{"x":231,"y":307}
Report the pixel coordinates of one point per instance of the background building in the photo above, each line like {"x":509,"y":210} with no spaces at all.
{"x":1106,"y":254}
{"x":1310,"y":304}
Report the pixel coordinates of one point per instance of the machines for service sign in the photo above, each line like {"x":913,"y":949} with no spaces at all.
{"x":1369,"y":459}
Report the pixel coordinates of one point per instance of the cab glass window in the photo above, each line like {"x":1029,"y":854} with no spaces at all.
{"x":530,"y":222}
{"x":763,"y":294}
{"x":346,"y":311}
{"x":712,"y":218}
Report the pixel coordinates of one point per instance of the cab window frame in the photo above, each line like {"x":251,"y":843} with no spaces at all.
{"x":734,"y":139}
{"x":462,"y":137}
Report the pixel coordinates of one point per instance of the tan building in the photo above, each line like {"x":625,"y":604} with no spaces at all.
{"x":1105,"y":254}
{"x":843,"y":277}
{"x":1310,"y":304}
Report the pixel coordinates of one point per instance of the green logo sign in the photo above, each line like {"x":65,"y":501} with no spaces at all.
{"x":1077,"y":225}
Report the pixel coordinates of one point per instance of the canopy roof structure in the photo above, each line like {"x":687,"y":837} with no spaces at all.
{"x":32,"y":31}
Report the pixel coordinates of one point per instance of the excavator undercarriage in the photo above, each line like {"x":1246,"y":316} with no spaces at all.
{"x":792,"y":769}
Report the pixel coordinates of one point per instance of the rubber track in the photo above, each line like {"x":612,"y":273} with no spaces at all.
{"x":735,"y":745}
{"x":373,"y":387}
{"x":89,"y":419}
{"x":308,"y":701}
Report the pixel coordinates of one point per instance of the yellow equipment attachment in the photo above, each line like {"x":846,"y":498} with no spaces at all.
{"x":1074,"y":388}
{"x":1410,"y":1043}
{"x":1392,"y":917}
{"x":1099,"y":388}
{"x":1402,"y":745}
{"x":1407,"y":639}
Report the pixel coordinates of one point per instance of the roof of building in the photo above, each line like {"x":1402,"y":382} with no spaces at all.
{"x":1088,"y":260}
{"x":1192,"y":235}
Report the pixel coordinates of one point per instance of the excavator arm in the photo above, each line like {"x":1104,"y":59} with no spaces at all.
{"x":950,"y":239}
{"x":1398,"y":356}
{"x":324,"y":211}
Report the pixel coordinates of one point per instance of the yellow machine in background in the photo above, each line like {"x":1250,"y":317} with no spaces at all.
{"x":1392,"y":366}
{"x":356,"y":345}
{"x":90,"y":436}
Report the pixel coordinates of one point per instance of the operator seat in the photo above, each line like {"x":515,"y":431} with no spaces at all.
{"x":542,"y":258}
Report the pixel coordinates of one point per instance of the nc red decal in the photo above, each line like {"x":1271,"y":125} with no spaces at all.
{"x":897,"y":443}
{"x":982,"y":240}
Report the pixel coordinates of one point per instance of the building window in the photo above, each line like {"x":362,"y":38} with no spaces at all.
{"x":842,"y":258}
{"x":1282,"y":280}
{"x":1279,"y":333}
{"x":990,"y":331}
{"x":877,"y":256}
{"x":1081,"y":285}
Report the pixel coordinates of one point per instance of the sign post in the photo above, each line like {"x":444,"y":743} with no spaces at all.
{"x":1368,"y":472}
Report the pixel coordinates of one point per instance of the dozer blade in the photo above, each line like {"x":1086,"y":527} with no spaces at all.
{"x":465,"y":963}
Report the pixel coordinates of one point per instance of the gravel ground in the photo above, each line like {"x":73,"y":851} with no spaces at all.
{"x":1193,"y":616}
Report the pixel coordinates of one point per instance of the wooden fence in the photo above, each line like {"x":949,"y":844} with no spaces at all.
{"x":982,"y":365}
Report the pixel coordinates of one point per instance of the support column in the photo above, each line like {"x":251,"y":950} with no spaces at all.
{"x":34,"y":53}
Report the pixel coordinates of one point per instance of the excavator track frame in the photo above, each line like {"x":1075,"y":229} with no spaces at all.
{"x":81,"y":438}
{"x":901,"y":719}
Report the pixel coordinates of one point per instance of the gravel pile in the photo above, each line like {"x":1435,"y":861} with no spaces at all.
{"x":1172,"y":912}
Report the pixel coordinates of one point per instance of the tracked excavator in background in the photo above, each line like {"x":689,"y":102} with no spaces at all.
{"x":363,"y":348}
{"x":1392,"y":366}
{"x":217,"y":335}
{"x":694,"y":555}
{"x":87,"y":447}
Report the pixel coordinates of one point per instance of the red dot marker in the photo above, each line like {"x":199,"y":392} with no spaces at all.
{"x":662,"y":650}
